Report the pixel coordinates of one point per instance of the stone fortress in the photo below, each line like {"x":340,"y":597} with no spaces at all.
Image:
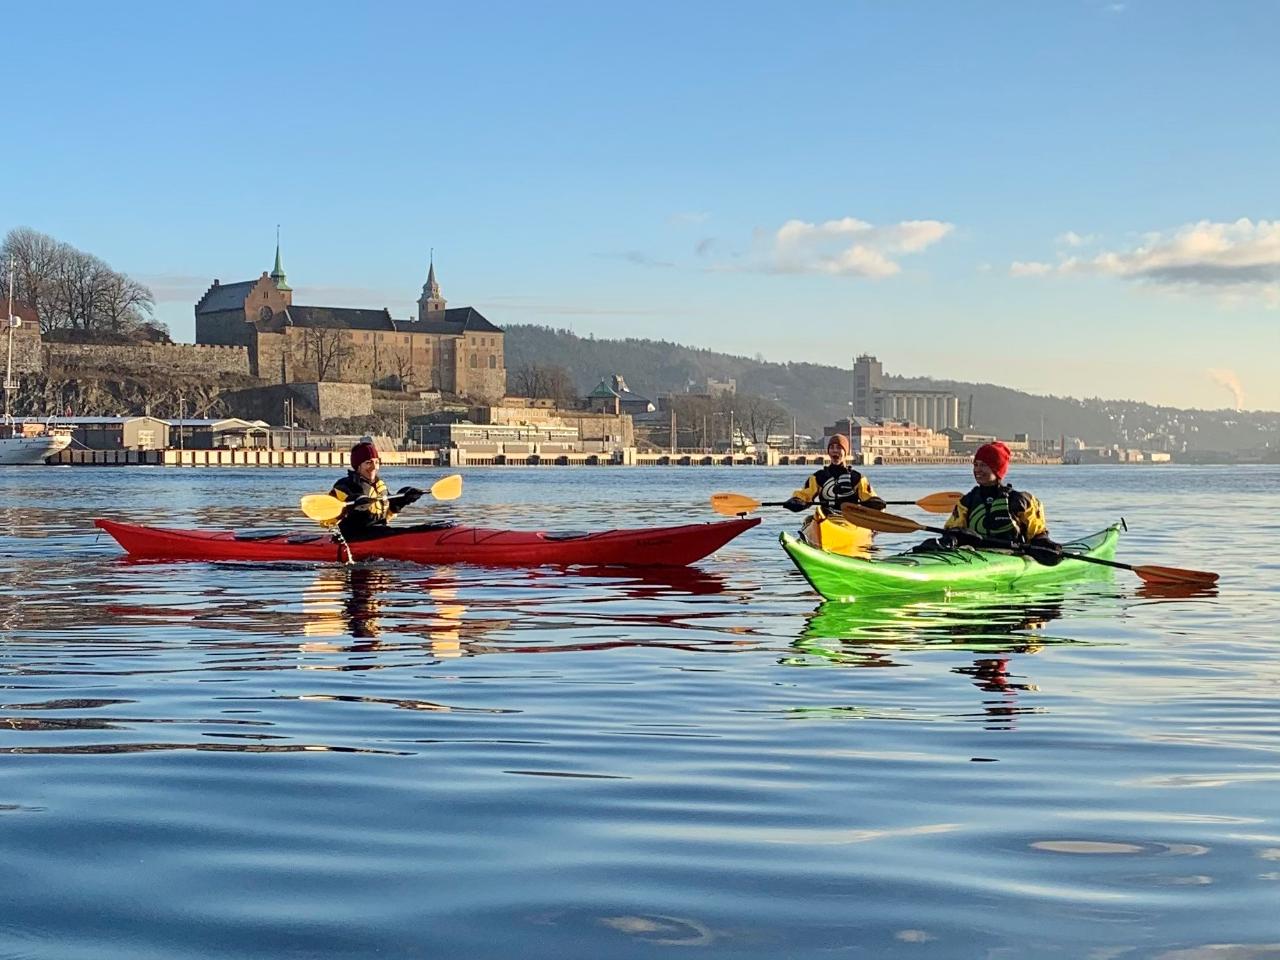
{"x":446,"y":350}
{"x":253,"y":329}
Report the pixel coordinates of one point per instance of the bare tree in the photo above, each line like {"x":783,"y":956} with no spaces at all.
{"x":550,"y":382}
{"x":760,"y":417}
{"x":325,"y":351}
{"x":73,"y":290}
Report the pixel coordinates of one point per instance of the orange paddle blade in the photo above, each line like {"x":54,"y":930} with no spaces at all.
{"x":732,"y":504}
{"x":1172,"y":575}
{"x":321,"y":507}
{"x":878,"y":520}
{"x":447,"y":488}
{"x":939,"y":502}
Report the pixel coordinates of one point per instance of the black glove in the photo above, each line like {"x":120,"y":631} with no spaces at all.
{"x":873,"y":503}
{"x":796,"y":505}
{"x":1044,"y":551}
{"x":408,"y":495}
{"x":960,"y":537}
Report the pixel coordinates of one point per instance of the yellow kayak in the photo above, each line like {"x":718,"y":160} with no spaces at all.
{"x":834,"y":534}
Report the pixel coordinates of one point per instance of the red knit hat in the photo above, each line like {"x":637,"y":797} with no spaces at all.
{"x":361,"y":452}
{"x":996,"y":456}
{"x":840,"y":440}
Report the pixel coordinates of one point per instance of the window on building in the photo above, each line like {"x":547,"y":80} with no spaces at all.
{"x":474,"y":362}
{"x":493,"y":362}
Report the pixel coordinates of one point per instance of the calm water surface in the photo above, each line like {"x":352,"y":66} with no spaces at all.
{"x":288,"y":760}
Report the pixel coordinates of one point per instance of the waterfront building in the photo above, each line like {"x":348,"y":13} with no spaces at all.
{"x":876,"y":440}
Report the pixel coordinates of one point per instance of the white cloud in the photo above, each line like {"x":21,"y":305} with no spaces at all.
{"x":846,"y":247}
{"x":1240,"y":260}
{"x":1073,"y":239}
{"x":1029,"y":268}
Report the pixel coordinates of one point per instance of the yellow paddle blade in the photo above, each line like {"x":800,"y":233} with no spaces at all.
{"x":321,"y":507}
{"x":447,"y":488}
{"x":732,"y":504}
{"x":939,"y":502}
{"x":878,"y":520}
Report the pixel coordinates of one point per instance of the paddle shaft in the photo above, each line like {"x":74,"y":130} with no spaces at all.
{"x":891,"y":503}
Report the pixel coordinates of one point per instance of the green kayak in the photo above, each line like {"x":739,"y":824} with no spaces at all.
{"x":848,"y":578}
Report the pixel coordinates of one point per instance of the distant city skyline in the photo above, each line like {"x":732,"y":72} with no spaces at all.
{"x":1074,"y":198}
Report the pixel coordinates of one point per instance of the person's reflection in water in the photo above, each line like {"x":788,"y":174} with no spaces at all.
{"x":995,"y":629}
{"x":362,"y":606}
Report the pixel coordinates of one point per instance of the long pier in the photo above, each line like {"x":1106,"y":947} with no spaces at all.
{"x":338,"y":459}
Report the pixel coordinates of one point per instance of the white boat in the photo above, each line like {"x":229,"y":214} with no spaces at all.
{"x":18,"y":449}
{"x":20,"y":443}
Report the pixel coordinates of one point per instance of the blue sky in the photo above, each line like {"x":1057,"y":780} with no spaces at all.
{"x":1073,"y":197}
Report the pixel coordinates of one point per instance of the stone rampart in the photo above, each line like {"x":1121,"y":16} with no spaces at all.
{"x":27,"y":355}
{"x":336,"y":400}
{"x":169,"y":357}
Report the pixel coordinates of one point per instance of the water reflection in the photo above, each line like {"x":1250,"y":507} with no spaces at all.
{"x":837,"y":629}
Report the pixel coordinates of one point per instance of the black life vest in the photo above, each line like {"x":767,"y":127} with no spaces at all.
{"x":837,"y":485}
{"x":993,"y":511}
{"x":362,"y":516}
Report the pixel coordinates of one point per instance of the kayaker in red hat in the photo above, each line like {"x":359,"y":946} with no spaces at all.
{"x":372,"y":505}
{"x":993,"y":510}
{"x":835,"y":484}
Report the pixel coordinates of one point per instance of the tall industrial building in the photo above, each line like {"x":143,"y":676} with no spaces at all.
{"x":935,"y":409}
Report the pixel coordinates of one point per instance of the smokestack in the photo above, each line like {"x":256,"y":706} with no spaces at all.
{"x":970,"y":426}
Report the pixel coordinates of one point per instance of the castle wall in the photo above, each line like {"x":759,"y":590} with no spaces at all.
{"x":169,"y":357}
{"x":28,"y":357}
{"x":333,"y":400}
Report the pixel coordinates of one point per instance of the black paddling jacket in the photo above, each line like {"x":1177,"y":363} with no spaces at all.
{"x":363,"y":517}
{"x":834,"y":485}
{"x":1000,"y":513}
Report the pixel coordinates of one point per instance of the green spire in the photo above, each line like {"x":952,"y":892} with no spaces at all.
{"x":277,"y":274}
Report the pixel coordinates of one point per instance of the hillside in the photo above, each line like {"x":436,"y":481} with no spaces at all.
{"x":817,"y":395}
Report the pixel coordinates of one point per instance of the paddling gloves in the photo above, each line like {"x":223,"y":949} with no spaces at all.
{"x":1044,"y":551}
{"x":405,"y":496}
{"x":873,"y":503}
{"x":959,"y":537}
{"x":796,"y":505}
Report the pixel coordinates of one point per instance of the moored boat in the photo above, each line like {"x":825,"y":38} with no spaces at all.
{"x":834,"y":534}
{"x":849,"y":578}
{"x":17,"y":446}
{"x":444,"y":542}
{"x":21,"y":443}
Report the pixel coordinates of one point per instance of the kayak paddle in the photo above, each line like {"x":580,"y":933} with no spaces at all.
{"x":325,"y":509}
{"x":889,"y":523}
{"x":732,"y":504}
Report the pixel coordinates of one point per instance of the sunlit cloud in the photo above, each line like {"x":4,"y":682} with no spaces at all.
{"x":1239,"y":259}
{"x":1073,"y":239}
{"x":1029,"y":268}
{"x":845,"y":247}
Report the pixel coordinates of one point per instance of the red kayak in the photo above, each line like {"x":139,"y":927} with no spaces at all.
{"x":443,"y":543}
